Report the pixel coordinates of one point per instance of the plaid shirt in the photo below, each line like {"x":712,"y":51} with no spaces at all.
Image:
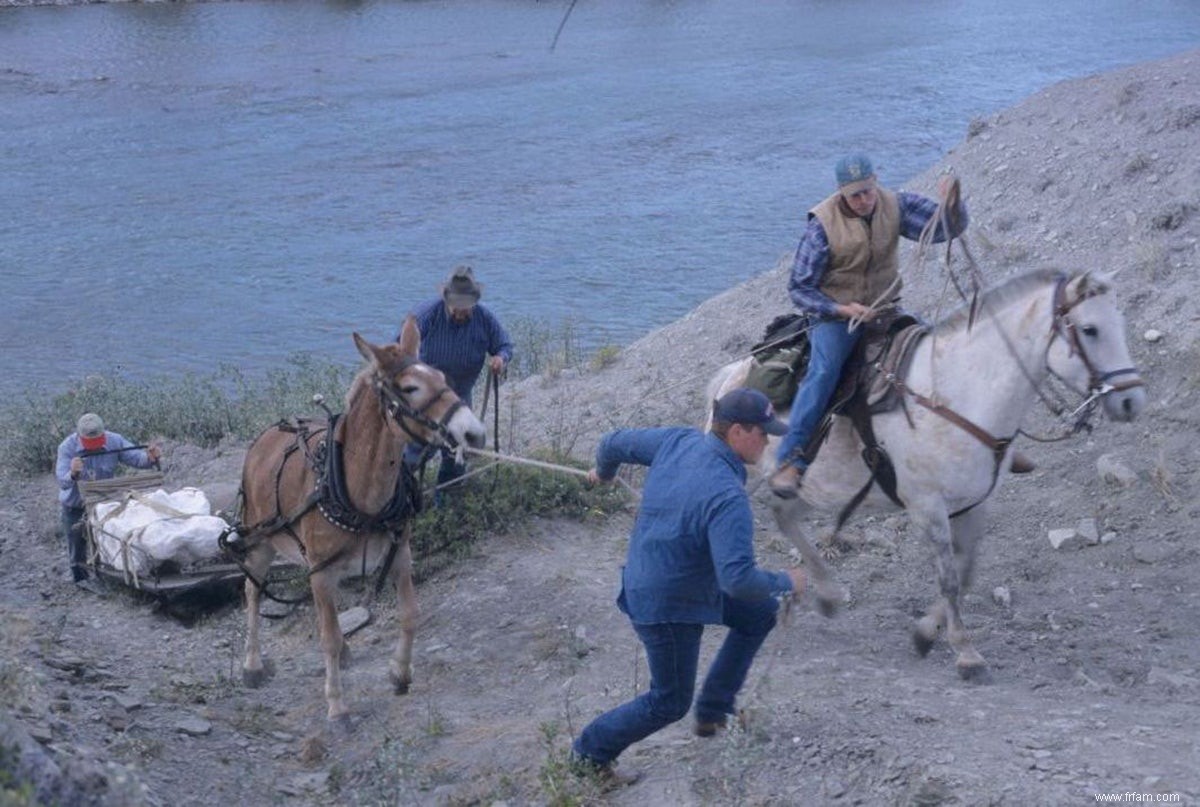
{"x":812,"y":256}
{"x":459,"y":349}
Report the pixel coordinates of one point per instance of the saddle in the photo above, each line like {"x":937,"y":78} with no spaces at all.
{"x":866,"y":389}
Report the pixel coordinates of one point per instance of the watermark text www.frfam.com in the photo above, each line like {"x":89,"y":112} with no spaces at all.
{"x":1132,"y":797}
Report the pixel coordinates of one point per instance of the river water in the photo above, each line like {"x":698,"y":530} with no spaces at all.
{"x":186,"y":185}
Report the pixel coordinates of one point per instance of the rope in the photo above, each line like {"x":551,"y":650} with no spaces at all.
{"x":548,"y":466}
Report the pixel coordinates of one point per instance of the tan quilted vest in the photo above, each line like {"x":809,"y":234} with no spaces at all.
{"x":863,"y":254}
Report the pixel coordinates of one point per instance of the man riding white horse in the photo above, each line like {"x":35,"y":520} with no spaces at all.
{"x":846,"y":268}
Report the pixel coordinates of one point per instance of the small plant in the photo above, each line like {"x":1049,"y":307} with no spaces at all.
{"x":605,"y":356}
{"x":13,"y":791}
{"x":435,"y":722}
{"x":1161,"y":477}
{"x":501,"y":500}
{"x":561,"y":783}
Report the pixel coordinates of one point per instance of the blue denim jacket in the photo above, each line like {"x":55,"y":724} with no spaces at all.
{"x":692,"y":543}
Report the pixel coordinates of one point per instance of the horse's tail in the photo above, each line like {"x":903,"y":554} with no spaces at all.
{"x":730,"y":376}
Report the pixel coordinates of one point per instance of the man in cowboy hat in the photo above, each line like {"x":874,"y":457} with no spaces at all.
{"x":458,"y":335}
{"x":90,"y":453}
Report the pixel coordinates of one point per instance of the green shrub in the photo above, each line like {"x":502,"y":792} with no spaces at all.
{"x":500,"y":500}
{"x":200,"y":410}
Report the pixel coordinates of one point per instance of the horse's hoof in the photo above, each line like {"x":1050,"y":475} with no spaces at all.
{"x":922,"y":643}
{"x":253,"y":679}
{"x":975,"y":673}
{"x":829,"y":552}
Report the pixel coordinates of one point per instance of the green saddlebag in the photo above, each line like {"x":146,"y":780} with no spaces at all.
{"x":780,"y":359}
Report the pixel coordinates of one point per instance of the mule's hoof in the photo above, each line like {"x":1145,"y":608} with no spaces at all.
{"x":400,"y":681}
{"x":828,"y":606}
{"x":341,"y":723}
{"x":344,"y":657}
{"x":253,"y":679}
{"x":975,"y":673}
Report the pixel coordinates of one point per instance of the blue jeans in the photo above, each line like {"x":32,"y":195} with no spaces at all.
{"x":448,"y":469}
{"x":831,"y":345}
{"x":673,"y":654}
{"x":71,"y":519}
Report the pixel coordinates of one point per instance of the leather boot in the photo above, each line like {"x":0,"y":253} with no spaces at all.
{"x":1021,"y":464}
{"x":785,"y":482}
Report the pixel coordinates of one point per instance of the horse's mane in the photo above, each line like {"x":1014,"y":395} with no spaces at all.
{"x":360,"y":379}
{"x":996,"y":297}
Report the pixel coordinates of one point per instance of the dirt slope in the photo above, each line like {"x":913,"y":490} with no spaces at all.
{"x":1094,"y":652}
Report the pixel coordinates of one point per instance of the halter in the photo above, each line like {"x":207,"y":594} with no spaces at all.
{"x":1062,"y":325}
{"x":403,"y":413}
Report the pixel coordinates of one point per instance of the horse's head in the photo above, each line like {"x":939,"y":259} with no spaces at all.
{"x":1089,"y":352}
{"x":417,"y":396}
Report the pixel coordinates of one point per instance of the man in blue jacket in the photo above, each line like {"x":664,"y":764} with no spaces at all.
{"x":90,"y":453}
{"x":458,"y":335}
{"x":690,"y":564}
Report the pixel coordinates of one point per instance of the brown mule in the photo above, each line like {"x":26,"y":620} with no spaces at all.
{"x":395,"y":399}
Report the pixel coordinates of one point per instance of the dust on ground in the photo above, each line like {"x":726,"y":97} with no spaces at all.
{"x":1094,"y":648}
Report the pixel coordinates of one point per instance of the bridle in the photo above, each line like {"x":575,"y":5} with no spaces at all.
{"x":405,"y":414}
{"x":1063,"y":326}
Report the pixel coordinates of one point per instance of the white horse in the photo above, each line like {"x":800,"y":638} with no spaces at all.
{"x":967,"y":390}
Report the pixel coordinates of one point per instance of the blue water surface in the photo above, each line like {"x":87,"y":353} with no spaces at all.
{"x":186,"y":185}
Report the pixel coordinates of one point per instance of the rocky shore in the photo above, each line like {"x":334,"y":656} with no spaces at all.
{"x":1094,"y":645}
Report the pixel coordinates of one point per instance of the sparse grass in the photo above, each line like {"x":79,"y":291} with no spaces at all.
{"x":435,"y":722}
{"x":1160,"y":477}
{"x":185,"y":689}
{"x":13,"y":792}
{"x":200,"y":410}
{"x":255,"y":719}
{"x":1149,"y":260}
{"x":501,"y":500}
{"x":204,"y":409}
{"x":542,"y":348}
{"x":137,"y":749}
{"x":561,"y":784}
{"x":17,"y":682}
{"x":605,"y":356}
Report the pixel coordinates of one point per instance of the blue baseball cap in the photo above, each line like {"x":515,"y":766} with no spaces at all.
{"x":748,"y":407}
{"x":853,"y":168}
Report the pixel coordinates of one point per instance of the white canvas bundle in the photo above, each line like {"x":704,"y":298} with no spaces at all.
{"x":141,"y":531}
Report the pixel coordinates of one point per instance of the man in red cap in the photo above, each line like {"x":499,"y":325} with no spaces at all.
{"x":90,"y":453}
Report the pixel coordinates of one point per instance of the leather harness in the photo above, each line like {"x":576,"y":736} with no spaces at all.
{"x":891,"y":365}
{"x":330,"y":494}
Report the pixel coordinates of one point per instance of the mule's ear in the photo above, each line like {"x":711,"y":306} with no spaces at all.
{"x":368,"y":351}
{"x":410,"y":337}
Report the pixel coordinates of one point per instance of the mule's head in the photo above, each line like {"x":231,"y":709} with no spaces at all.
{"x":417,"y":396}
{"x":1089,"y":351}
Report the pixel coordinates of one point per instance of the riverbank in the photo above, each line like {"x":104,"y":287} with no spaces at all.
{"x":1094,"y":647}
